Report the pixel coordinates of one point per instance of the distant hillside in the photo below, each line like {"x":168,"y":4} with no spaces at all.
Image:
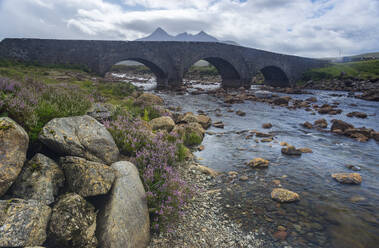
{"x":161,"y":35}
{"x":359,"y":57}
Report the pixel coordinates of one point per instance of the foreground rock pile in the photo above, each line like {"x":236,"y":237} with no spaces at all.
{"x":80,"y":197}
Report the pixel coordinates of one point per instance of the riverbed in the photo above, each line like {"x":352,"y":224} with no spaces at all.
{"x":328,"y":214}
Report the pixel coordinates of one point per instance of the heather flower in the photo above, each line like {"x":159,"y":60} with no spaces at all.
{"x":155,"y":157}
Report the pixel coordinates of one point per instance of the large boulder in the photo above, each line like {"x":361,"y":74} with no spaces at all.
{"x":147,"y":99}
{"x":162,"y":123}
{"x":23,"y":222}
{"x":184,"y":130}
{"x":40,"y":180}
{"x":80,"y":136}
{"x":14,"y":143}
{"x":73,"y":223}
{"x":124,"y":220}
{"x":87,"y":178}
{"x":188,"y":118}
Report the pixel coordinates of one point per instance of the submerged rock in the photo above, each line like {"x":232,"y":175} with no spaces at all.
{"x":240,"y":113}
{"x":124,"y":220}
{"x":40,"y":180}
{"x":162,"y":123}
{"x":87,"y":178}
{"x":80,"y":136}
{"x":348,"y":178}
{"x":267,"y":125}
{"x":284,"y":195}
{"x":23,"y":222}
{"x":305,"y":150}
{"x":14,"y":143}
{"x":73,"y":223}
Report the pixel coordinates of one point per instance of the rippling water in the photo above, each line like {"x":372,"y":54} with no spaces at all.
{"x":329,"y":214}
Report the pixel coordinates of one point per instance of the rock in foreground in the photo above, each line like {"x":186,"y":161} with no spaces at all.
{"x":348,"y":178}
{"x":80,"y":136}
{"x":23,"y":223}
{"x":284,"y":195}
{"x":87,"y":178}
{"x":73,"y":223}
{"x":124,"y":220}
{"x":14,"y":143}
{"x":40,"y":180}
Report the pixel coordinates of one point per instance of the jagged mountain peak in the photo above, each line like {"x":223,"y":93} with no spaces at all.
{"x":161,"y":35}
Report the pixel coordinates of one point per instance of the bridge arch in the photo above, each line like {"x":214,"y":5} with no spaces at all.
{"x":233,"y":70}
{"x":275,"y":76}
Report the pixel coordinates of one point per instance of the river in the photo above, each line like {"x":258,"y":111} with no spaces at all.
{"x":329,"y":214}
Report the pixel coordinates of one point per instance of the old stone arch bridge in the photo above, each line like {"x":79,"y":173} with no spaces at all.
{"x":169,"y":61}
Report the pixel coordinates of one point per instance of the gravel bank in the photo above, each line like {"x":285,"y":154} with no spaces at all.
{"x":204,"y":224}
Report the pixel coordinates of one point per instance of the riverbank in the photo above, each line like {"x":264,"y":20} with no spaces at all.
{"x":315,"y":220}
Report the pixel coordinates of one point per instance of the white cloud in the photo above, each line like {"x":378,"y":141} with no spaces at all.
{"x":302,"y":27}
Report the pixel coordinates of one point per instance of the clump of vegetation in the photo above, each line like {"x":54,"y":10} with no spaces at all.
{"x":202,"y":71}
{"x":192,"y":139}
{"x":32,"y":104}
{"x":35,"y":95}
{"x":155,"y":157}
{"x":361,"y":70}
{"x":135,"y":69}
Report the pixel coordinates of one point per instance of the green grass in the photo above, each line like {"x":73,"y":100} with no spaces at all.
{"x":202,"y":71}
{"x":360,"y":70}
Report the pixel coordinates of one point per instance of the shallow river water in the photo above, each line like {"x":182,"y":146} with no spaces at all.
{"x":329,"y":214}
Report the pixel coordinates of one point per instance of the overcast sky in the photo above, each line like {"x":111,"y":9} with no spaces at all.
{"x":314,"y":28}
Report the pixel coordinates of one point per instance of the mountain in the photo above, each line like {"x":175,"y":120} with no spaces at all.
{"x":158,"y":35}
{"x":161,"y":35}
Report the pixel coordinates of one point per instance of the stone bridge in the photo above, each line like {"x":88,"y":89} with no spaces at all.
{"x":169,"y":61}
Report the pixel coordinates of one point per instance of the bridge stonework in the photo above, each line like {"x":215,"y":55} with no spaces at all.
{"x":169,"y":61}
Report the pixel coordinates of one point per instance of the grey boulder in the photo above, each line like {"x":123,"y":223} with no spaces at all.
{"x":23,"y":222}
{"x":87,"y":178}
{"x":124,"y":220}
{"x":73,"y":223}
{"x":14,"y":143}
{"x":40,"y":180}
{"x":80,"y":136}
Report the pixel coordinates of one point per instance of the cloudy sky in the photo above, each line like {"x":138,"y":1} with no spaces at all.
{"x":314,"y":28}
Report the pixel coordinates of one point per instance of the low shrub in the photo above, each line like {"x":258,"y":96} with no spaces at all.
{"x":192,"y":139}
{"x":155,"y":157}
{"x":33,"y":104}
